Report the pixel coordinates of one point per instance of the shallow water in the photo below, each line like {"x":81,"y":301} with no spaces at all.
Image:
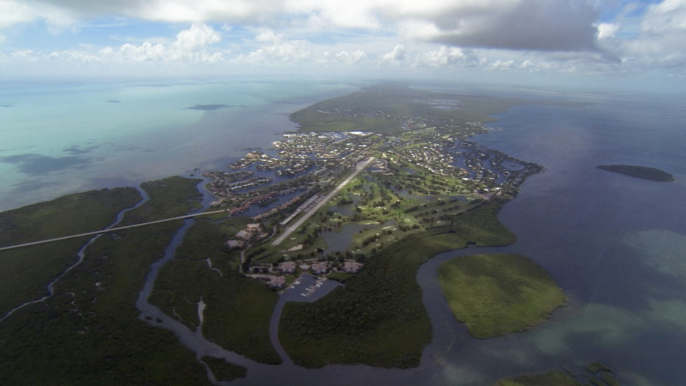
{"x":63,"y":138}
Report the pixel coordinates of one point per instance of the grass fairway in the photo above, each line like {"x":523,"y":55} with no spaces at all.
{"x":25,"y":272}
{"x":238,"y":309}
{"x":89,"y":333}
{"x":379,"y":318}
{"x":498,"y":294}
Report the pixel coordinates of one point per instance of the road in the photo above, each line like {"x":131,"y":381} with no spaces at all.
{"x":360,"y":167}
{"x":112,"y":229}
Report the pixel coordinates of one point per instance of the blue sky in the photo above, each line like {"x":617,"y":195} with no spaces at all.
{"x":597,"y":43}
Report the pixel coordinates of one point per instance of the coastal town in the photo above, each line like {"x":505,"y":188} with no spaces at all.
{"x":426,"y":174}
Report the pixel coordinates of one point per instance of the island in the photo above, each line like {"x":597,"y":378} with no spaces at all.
{"x":643,"y":172}
{"x":370,"y":187}
{"x":498,"y":294}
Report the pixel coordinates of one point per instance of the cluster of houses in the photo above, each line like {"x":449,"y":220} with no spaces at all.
{"x":252,"y":232}
{"x":276,"y":279}
{"x":278,"y":209}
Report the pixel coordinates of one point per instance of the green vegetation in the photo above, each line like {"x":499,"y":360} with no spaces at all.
{"x":26,"y":272}
{"x":384,"y":103}
{"x":89,"y":333}
{"x":379,"y":318}
{"x":238,"y":309}
{"x":224,"y":371}
{"x":643,"y":172}
{"x":553,"y":377}
{"x":340,"y":276}
{"x":377,"y":204}
{"x":595,"y":367}
{"x":386,"y":108}
{"x":498,"y":294}
{"x":174,"y":196}
{"x":596,"y":375}
{"x":609,"y":379}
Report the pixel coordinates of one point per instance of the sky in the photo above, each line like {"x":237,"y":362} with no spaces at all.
{"x":639,"y":45}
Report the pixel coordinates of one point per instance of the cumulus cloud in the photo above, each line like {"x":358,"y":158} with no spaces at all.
{"x":190,"y":45}
{"x":276,"y":50}
{"x":494,"y":35}
{"x":661,"y":38}
{"x":396,"y":55}
{"x":349,"y":57}
{"x":197,"y":37}
{"x":14,"y":12}
{"x":666,"y":17}
{"x":607,"y":30}
{"x":444,"y":56}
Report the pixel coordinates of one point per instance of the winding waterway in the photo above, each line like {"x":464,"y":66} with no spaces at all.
{"x":81,"y":254}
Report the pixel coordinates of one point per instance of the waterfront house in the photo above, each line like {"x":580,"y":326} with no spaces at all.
{"x":277,"y":282}
{"x":287,"y":267}
{"x":320,"y":268}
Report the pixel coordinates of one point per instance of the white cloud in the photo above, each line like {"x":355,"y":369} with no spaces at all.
{"x":553,"y":36}
{"x":666,"y":17}
{"x":190,"y":46}
{"x":661,"y":39}
{"x":338,"y":13}
{"x":266,"y":35}
{"x":278,"y":52}
{"x":444,"y":56}
{"x":197,"y":37}
{"x":24,"y":55}
{"x":14,"y":12}
{"x":515,"y":24}
{"x":607,"y":30}
{"x":396,"y":55}
{"x":350,"y":57}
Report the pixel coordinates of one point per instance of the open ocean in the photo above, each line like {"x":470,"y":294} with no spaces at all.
{"x":615,"y":244}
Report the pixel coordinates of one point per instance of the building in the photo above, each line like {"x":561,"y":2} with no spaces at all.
{"x":352,"y":267}
{"x":277,"y":282}
{"x":235,"y":244}
{"x":320,"y":268}
{"x":245,"y":235}
{"x":287,"y":267}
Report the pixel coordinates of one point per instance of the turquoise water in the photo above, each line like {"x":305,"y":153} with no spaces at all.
{"x":62,"y":138}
